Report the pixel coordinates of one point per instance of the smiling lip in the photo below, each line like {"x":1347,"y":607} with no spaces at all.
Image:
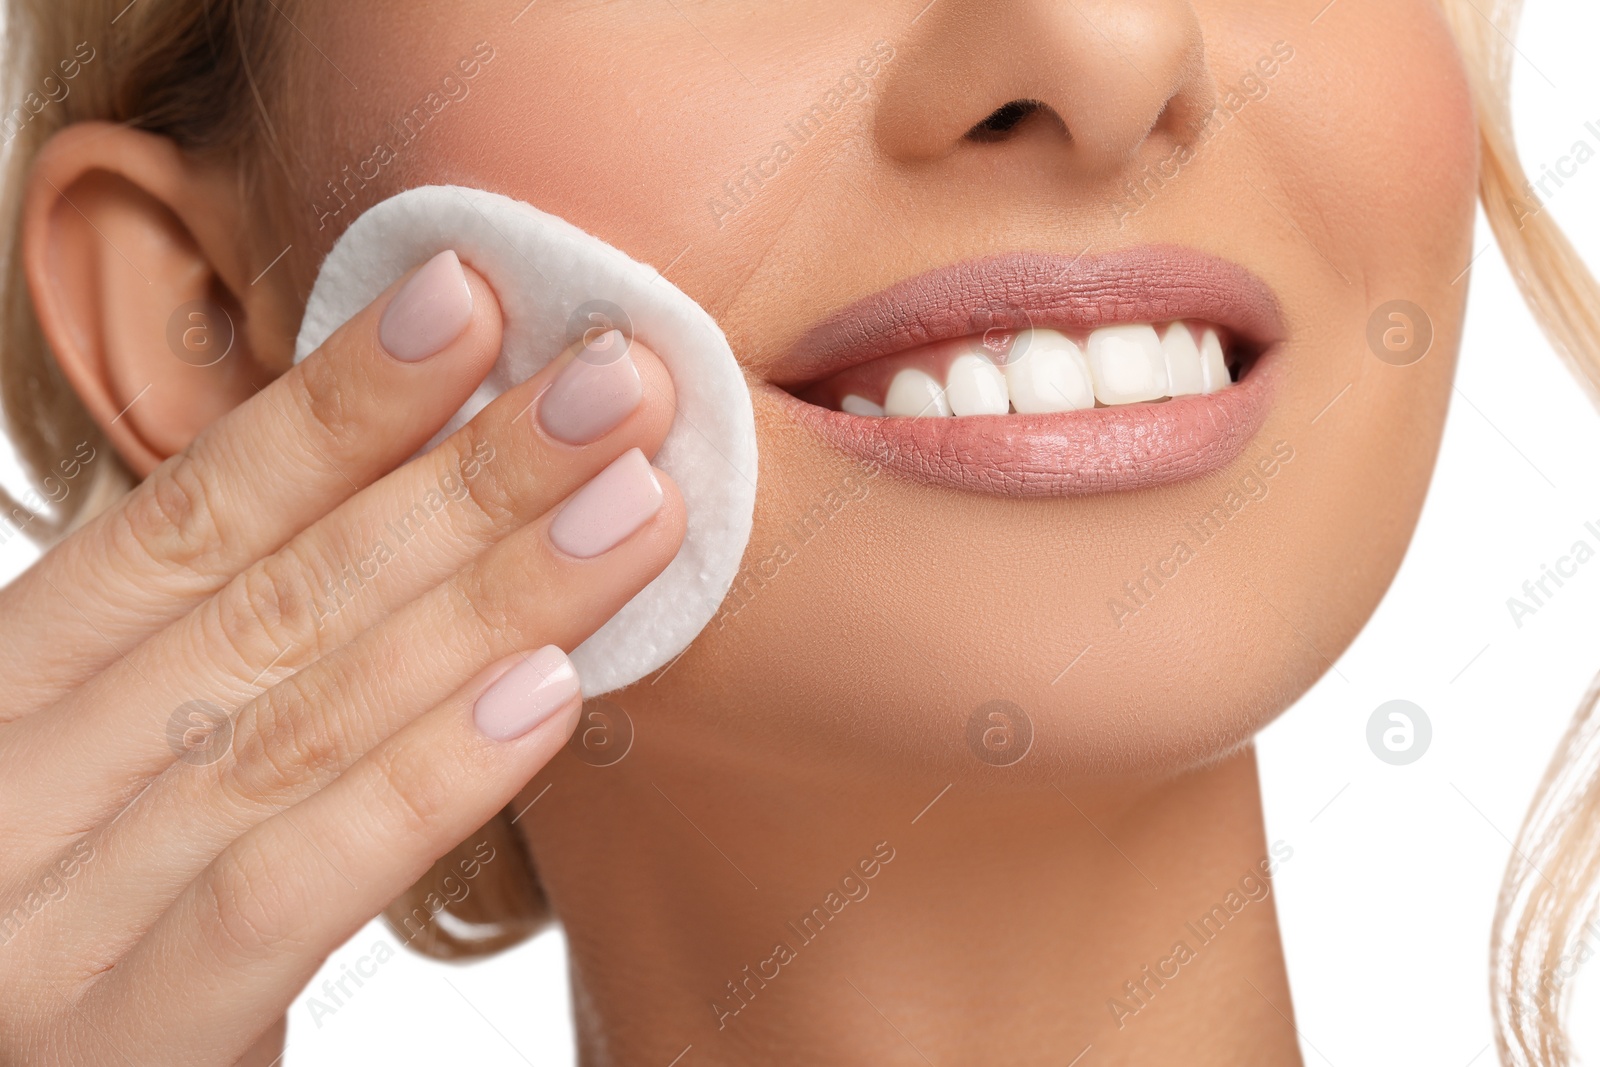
{"x":1069,"y":453}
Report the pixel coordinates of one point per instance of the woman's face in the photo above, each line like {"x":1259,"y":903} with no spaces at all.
{"x":1145,"y":585}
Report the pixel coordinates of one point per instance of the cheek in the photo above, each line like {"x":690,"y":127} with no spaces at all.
{"x":922,"y":609}
{"x":1402,"y":135}
{"x":1374,"y":144}
{"x":935,"y":611}
{"x":1375,"y":138}
{"x":620,"y":138}
{"x":657,"y":142}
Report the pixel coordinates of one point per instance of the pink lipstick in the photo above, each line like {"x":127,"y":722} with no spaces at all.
{"x":1032,"y":374}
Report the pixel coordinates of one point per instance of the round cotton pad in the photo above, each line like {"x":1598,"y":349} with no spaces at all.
{"x":554,"y":281}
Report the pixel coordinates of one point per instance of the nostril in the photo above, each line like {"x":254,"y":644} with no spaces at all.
{"x":1005,"y":119}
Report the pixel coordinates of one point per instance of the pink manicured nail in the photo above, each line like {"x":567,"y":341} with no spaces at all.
{"x":535,"y":688}
{"x":428,"y":312}
{"x":593,"y":393}
{"x":616,"y":502}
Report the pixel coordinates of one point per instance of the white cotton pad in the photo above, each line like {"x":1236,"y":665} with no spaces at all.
{"x":552,"y":278}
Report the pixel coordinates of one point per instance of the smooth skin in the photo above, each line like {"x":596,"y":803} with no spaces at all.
{"x":829,"y":713}
{"x":173,"y":909}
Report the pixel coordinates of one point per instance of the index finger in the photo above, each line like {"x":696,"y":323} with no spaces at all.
{"x":372,"y":395}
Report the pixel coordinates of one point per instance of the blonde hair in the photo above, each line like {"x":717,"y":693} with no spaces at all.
{"x":199,"y":71}
{"x":1547,"y":900}
{"x":202,"y":73}
{"x":187,"y":70}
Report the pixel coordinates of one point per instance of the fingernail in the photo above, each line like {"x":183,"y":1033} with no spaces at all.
{"x":593,"y":393}
{"x":429,"y":311}
{"x":535,"y":688}
{"x":616,"y":502}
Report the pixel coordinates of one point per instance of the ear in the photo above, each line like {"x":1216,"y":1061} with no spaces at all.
{"x":136,"y":257}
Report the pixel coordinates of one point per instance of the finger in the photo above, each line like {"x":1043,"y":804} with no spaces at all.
{"x":248,"y":935}
{"x":530,"y":590}
{"x":393,"y":542}
{"x":367,"y":399}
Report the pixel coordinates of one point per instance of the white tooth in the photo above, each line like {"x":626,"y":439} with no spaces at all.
{"x":1213,"y":367}
{"x":1127,"y":364}
{"x":860,"y":405}
{"x":914,"y":393}
{"x":1046,"y":373}
{"x":1183,"y":361}
{"x":974,"y":386}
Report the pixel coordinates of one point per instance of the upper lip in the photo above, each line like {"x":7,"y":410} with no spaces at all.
{"x":1016,"y":290}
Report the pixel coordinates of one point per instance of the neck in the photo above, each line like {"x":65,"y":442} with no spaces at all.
{"x":762,"y":917}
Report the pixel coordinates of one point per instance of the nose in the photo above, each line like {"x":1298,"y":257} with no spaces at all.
{"x":1101,"y":78}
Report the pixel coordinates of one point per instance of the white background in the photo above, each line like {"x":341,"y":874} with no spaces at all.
{"x":1386,"y":904}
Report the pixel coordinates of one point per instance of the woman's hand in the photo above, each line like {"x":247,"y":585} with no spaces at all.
{"x":245,"y":709}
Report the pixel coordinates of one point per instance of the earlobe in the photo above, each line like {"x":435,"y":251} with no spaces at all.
{"x":135,"y":286}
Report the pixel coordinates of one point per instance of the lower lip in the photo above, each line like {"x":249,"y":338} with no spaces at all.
{"x":1071,"y":453}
